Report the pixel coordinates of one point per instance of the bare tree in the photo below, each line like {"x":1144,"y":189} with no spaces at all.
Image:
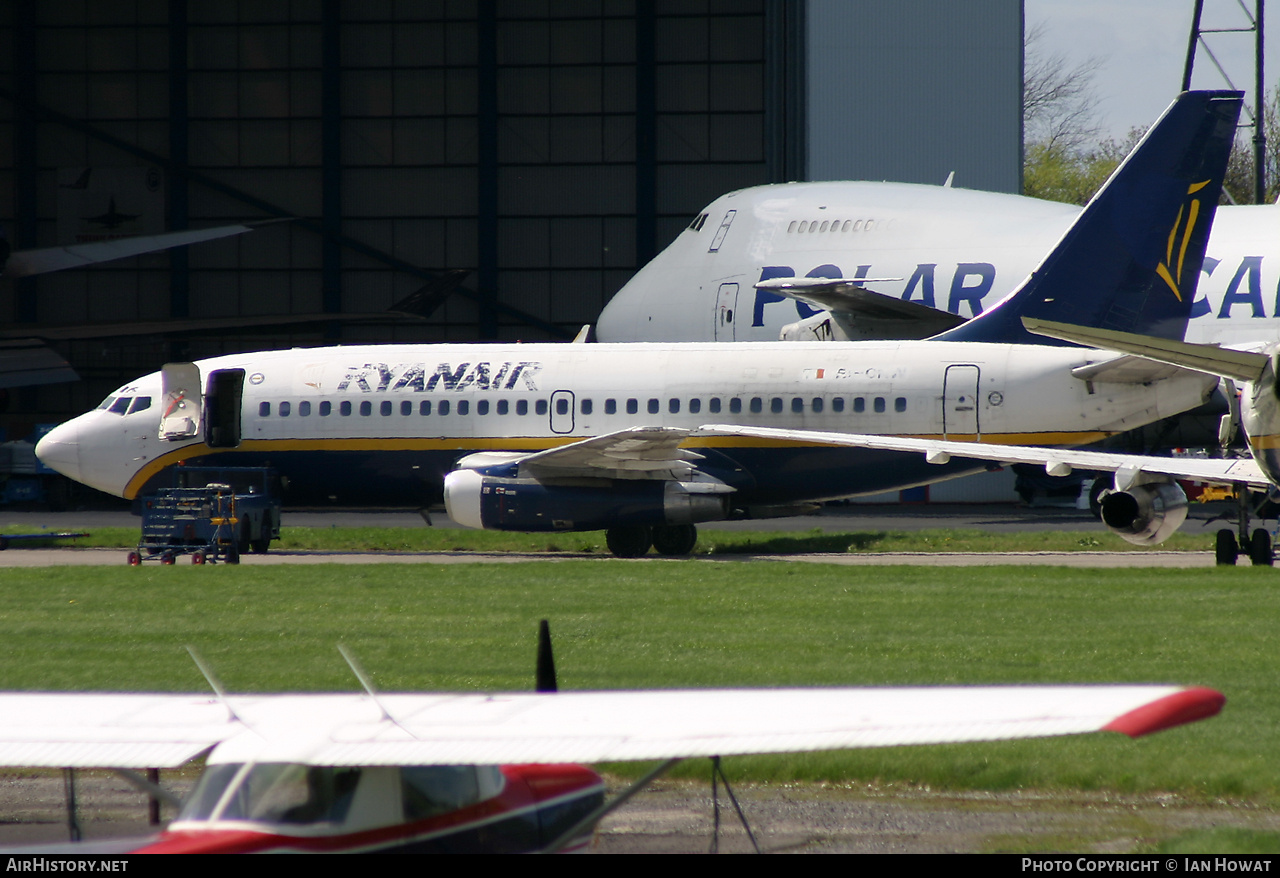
{"x":1058,"y":100}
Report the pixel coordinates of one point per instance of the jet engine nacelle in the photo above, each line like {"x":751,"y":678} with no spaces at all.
{"x":495,"y":503}
{"x":1145,"y":514}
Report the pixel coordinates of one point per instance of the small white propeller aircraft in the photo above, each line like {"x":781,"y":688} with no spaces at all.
{"x":454,"y":772}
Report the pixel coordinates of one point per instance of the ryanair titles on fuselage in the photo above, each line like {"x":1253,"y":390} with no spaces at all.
{"x":423,"y":378}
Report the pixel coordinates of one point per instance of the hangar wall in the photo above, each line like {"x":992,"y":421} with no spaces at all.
{"x":551,"y":147}
{"x":912,"y":90}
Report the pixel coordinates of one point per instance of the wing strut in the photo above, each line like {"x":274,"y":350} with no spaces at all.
{"x":607,"y":808}
{"x":215,"y":685}
{"x":716,"y":768}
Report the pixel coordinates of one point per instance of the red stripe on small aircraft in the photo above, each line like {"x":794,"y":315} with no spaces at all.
{"x":1182,"y":707}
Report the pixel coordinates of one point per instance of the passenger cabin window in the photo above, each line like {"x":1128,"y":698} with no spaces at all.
{"x":304,"y":409}
{"x":775,"y":405}
{"x":366,"y":408}
{"x":482,"y":407}
{"x":859,"y":405}
{"x":757,"y":405}
{"x":837,"y":404}
{"x":673,"y":406}
{"x":443,"y":408}
{"x":695,"y":406}
{"x":326,"y":408}
{"x":879,"y":404}
{"x":610,"y":406}
{"x":713,"y":405}
{"x":285,"y":408}
{"x":522,"y":407}
{"x":585,"y":406}
{"x":632,"y":406}
{"x":463,"y":407}
{"x":406,"y":407}
{"x":264,"y":409}
{"x":735,"y":406}
{"x":654,"y":406}
{"x":817,"y":404}
{"x":900,"y":404}
{"x":502,"y":406}
{"x":424,"y":408}
{"x":797,"y":405}
{"x":540,"y":407}
{"x":562,"y":406}
{"x":344,"y":408}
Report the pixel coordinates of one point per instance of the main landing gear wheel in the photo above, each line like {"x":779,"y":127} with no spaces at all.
{"x":675,"y":539}
{"x":1260,"y":550}
{"x":1225,"y":549}
{"x":628,"y":542}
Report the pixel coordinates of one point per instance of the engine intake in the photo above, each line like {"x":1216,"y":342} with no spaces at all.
{"x":1145,"y":514}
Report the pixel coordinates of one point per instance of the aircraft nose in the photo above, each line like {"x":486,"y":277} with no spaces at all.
{"x":60,"y":450}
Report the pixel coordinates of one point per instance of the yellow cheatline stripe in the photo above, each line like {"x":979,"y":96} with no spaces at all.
{"x":271,"y":446}
{"x":1164,"y":273}
{"x":1265,"y":442}
{"x":1186,"y":235}
{"x":468,"y":445}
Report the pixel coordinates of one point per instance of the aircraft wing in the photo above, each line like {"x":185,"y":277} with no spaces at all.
{"x":638,"y":453}
{"x":847,"y":297}
{"x":1057,"y":461}
{"x":140,"y":731}
{"x":29,"y":361}
{"x":22,"y":263}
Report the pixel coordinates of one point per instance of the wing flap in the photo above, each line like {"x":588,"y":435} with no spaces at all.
{"x":638,"y":453}
{"x":1221,"y":471}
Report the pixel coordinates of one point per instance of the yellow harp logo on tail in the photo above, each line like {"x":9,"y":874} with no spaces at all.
{"x":1165,"y":269}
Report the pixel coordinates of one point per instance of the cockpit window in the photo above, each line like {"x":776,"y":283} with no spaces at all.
{"x":106,"y":403}
{"x":273,"y":793}
{"x":140,"y":403}
{"x":437,"y":789}
{"x":121,"y":405}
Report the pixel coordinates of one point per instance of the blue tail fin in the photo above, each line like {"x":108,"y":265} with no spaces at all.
{"x":1132,"y":258}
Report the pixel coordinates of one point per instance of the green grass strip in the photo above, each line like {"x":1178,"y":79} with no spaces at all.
{"x":700,"y":624}
{"x":710,"y":542}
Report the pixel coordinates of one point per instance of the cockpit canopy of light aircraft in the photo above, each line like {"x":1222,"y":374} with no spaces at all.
{"x":292,"y":797}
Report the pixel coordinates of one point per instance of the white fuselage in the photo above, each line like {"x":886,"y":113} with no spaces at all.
{"x":388,"y":422}
{"x":954,"y":249}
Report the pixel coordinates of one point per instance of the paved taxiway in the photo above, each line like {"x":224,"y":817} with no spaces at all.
{"x":1001,"y":518}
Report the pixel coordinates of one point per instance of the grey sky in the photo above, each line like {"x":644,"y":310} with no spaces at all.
{"x":1142,"y":45}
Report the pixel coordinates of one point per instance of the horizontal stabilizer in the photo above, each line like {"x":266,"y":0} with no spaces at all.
{"x":1211,"y":359}
{"x":849,"y":296}
{"x":22,"y":263}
